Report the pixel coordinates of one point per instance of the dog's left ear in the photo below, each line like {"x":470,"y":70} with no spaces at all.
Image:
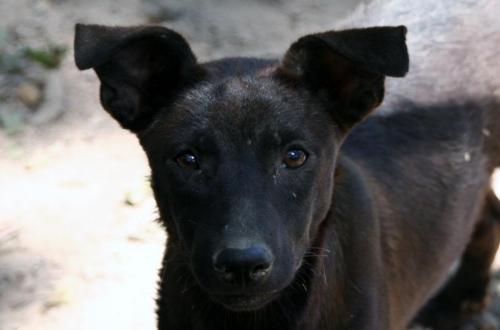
{"x":347,"y":68}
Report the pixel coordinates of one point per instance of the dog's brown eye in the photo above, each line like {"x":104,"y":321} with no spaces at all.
{"x":294,"y":158}
{"x":188,"y":161}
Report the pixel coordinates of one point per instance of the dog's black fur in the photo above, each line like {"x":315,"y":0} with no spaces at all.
{"x":358,"y":220}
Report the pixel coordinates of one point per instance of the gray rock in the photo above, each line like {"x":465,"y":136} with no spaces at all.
{"x":29,"y":94}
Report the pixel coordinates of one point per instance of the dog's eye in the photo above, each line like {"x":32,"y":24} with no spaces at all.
{"x":188,"y":161}
{"x":294,"y":158}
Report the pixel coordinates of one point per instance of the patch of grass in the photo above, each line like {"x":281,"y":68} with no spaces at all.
{"x":50,"y":57}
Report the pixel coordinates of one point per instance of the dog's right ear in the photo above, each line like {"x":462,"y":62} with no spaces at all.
{"x":140,"y":68}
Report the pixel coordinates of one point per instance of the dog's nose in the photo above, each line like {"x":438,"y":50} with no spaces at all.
{"x":243,"y":266}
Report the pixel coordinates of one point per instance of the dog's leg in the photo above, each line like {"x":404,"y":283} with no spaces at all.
{"x":461,"y":303}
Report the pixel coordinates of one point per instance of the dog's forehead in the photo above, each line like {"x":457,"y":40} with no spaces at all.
{"x":240,"y":110}
{"x":244,"y":103}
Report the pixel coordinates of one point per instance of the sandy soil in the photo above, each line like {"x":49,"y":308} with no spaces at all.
{"x":79,"y":248}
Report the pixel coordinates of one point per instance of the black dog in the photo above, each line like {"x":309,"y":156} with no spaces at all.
{"x":284,"y":207}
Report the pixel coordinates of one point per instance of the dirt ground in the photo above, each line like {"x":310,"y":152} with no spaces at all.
{"x":79,"y":247}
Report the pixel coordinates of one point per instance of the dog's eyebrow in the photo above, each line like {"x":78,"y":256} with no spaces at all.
{"x":277,"y":137}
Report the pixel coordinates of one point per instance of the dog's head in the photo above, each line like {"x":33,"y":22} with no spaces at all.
{"x":243,"y":152}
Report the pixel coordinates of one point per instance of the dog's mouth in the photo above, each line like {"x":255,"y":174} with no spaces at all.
{"x":244,"y":303}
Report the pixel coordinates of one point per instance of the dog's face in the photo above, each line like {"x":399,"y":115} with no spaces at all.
{"x":243,"y":165}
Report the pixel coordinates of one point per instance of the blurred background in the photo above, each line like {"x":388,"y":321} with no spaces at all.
{"x":79,"y":248}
